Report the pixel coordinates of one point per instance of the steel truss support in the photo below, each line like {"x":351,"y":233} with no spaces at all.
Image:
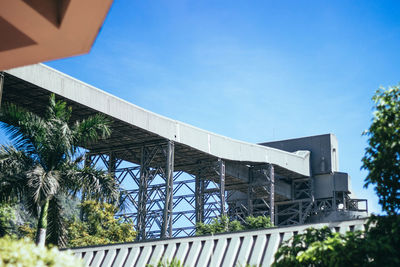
{"x":1,"y":86}
{"x":221,"y":172}
{"x":261,"y":191}
{"x":257,"y":196}
{"x":210,"y":193}
{"x":147,"y":191}
{"x":148,"y":171}
{"x":168,"y":206}
{"x":199,"y":197}
{"x":297,"y":210}
{"x":143,"y":184}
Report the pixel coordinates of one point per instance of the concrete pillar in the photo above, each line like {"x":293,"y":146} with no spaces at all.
{"x":222,"y":185}
{"x":142,"y":206}
{"x":166,"y":230}
{"x":272,"y":193}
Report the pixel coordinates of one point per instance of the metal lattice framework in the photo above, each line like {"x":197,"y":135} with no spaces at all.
{"x":297,"y":210}
{"x":160,"y":201}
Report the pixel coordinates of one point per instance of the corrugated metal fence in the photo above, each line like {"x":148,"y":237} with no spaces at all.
{"x":230,"y":249}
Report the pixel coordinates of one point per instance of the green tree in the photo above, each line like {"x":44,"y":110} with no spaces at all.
{"x":99,"y":226}
{"x":43,"y":164}
{"x":382,"y":156}
{"x":322,"y":247}
{"x":7,"y":220}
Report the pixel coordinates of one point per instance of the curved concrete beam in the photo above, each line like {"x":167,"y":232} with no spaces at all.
{"x":199,"y":139}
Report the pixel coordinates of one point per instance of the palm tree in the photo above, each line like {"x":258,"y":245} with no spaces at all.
{"x":44,"y":164}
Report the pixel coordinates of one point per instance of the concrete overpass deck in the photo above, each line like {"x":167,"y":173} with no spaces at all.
{"x":133,"y":126}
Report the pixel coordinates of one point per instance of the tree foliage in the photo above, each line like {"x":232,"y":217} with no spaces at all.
{"x":378,"y":245}
{"x":7,"y":220}
{"x":322,"y":247}
{"x":15,"y":221}
{"x":258,"y":222}
{"x":223,"y":224}
{"x":382,"y":156}
{"x":43,"y":166}
{"x":99,"y":226}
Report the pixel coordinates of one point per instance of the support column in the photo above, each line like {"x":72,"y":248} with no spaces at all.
{"x":112,"y":164}
{"x":1,"y":86}
{"x":222,"y":185}
{"x":86,"y":163}
{"x":142,"y":209}
{"x":166,"y":230}
{"x":250,"y":193}
{"x":272,"y":194}
{"x":199,"y":198}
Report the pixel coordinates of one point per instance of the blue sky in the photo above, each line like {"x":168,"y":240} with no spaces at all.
{"x":252,"y":70}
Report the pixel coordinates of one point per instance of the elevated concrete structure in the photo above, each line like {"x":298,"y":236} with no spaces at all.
{"x":133,"y":124}
{"x":172,"y":173}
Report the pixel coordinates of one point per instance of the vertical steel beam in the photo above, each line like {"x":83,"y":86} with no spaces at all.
{"x":86,"y":163}
{"x":222,"y":185}
{"x":112,"y":164}
{"x":250,"y":193}
{"x":142,"y":209}
{"x":166,"y":230}
{"x":199,"y":197}
{"x":272,"y":194}
{"x":1,"y":86}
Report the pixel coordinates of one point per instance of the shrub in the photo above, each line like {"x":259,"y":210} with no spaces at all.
{"x":222,"y":225}
{"x":166,"y":263}
{"x":24,"y":253}
{"x":322,"y":247}
{"x":259,"y":222}
{"x":99,"y":226}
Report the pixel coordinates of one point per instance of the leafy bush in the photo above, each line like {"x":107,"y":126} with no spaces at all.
{"x":25,"y":253}
{"x":379,"y":245}
{"x":7,"y":220}
{"x":259,"y":222}
{"x":382,"y":155}
{"x":15,"y":221}
{"x":218,"y":225}
{"x":322,"y":247}
{"x":222,"y":225}
{"x":99,"y":226}
{"x":382,"y":240}
{"x":173,"y":263}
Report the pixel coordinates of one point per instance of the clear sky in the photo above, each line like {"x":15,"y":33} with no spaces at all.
{"x":252,"y":70}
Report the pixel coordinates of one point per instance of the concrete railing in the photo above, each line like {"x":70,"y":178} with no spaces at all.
{"x":229,"y":249}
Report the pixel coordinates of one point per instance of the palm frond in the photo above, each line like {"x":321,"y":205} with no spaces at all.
{"x":56,"y":228}
{"x":91,"y":183}
{"x":124,"y":206}
{"x":58,"y":146}
{"x":13,"y":166}
{"x":25,"y":129}
{"x":92,"y":129}
{"x":58,"y":109}
{"x":42,"y":184}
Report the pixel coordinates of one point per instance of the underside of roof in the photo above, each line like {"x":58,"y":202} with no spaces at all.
{"x":34,"y":31}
